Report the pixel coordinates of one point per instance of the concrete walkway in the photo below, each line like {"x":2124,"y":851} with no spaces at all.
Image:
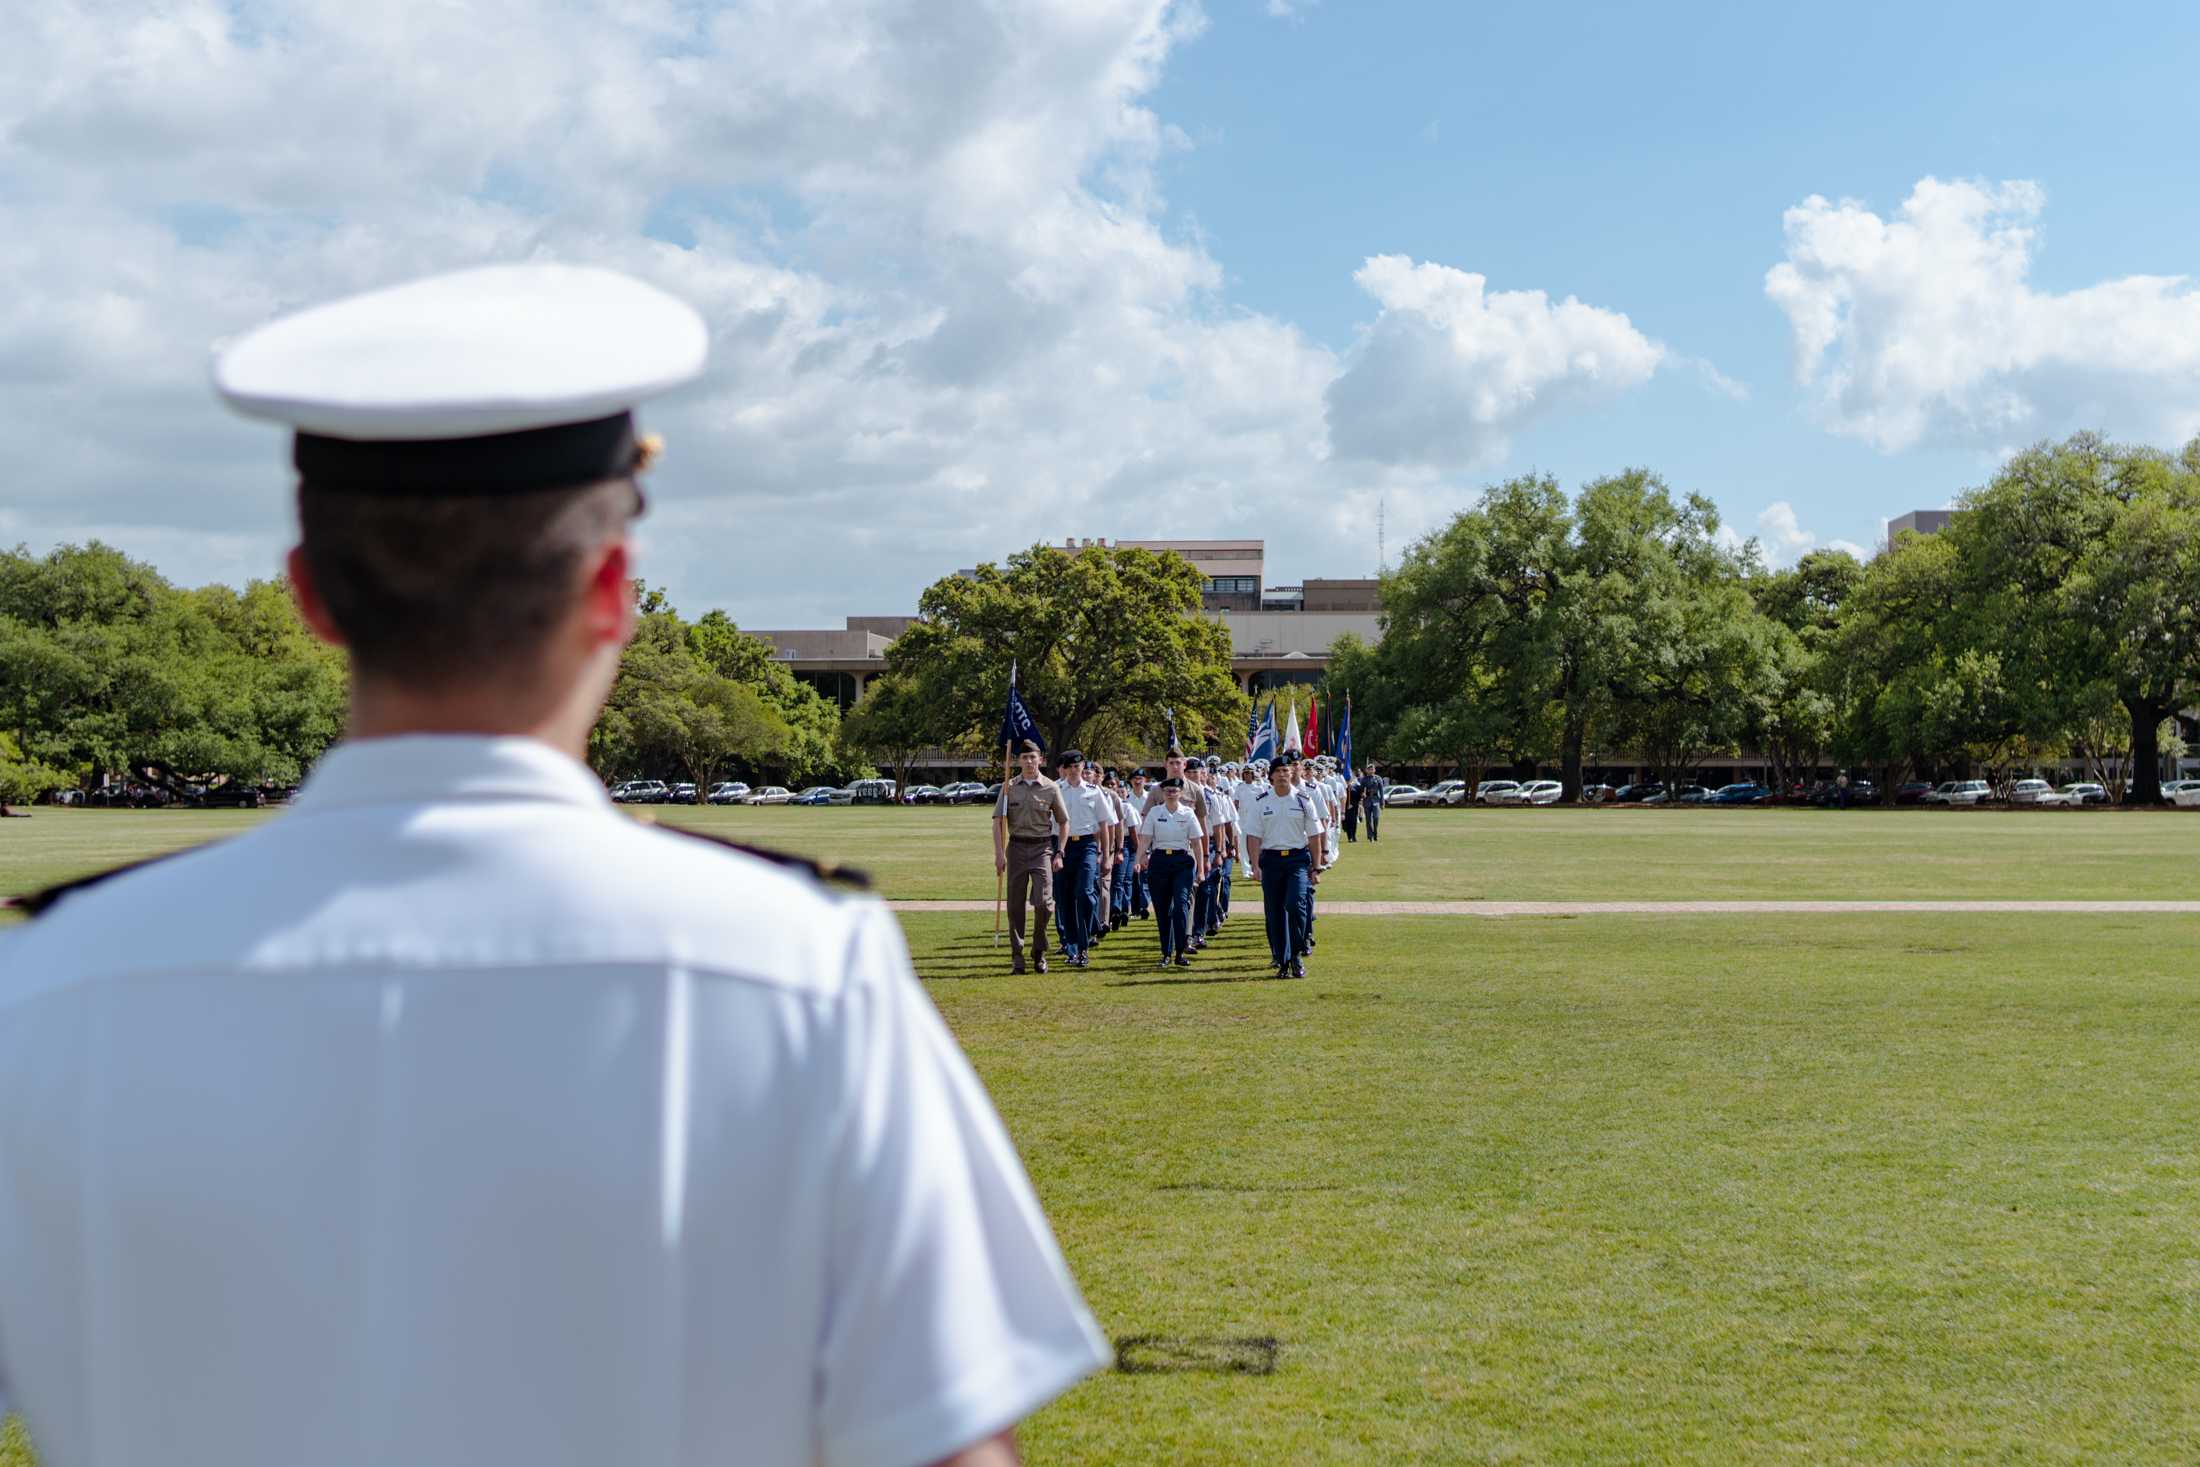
{"x":1660,"y":909}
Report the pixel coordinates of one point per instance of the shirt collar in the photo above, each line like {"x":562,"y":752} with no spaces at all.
{"x":419,"y":769}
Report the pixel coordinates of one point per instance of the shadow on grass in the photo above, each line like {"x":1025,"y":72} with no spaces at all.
{"x":1206,"y":1354}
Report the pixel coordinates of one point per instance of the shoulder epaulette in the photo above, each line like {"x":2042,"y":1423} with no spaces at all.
{"x":847,"y":876}
{"x":34,"y":903}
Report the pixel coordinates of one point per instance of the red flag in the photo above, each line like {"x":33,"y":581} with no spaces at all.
{"x":1313,"y":725}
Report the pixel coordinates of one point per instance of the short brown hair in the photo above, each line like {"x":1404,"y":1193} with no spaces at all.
{"x":429,"y":588}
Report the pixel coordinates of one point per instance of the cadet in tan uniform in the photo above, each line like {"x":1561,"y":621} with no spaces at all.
{"x":1028,"y":821}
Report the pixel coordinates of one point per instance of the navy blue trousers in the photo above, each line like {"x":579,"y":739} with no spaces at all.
{"x":1077,"y":895}
{"x":1170,"y":876}
{"x":1287,"y":895}
{"x":1124,"y":880}
{"x":1203,"y":900}
{"x":1222,"y":890}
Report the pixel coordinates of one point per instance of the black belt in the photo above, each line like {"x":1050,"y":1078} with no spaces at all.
{"x":1281,"y":850}
{"x":1073,"y":840}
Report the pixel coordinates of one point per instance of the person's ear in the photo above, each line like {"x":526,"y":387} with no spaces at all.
{"x":608,"y":613}
{"x":312,"y":610}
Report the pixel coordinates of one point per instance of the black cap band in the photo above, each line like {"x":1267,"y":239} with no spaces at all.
{"x":494,"y":463}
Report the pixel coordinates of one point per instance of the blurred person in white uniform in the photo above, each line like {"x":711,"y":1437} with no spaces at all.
{"x":453,"y":1117}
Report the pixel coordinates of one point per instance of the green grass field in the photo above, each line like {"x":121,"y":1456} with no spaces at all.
{"x":1529,"y":855}
{"x":1863,"y":1188}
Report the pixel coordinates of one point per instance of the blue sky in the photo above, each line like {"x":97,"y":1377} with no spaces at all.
{"x":981,"y":272}
{"x":1640,"y":157}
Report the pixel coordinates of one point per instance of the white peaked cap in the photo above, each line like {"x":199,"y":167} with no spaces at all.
{"x":498,"y":349}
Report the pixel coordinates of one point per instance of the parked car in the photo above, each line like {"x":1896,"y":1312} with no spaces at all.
{"x":1861,"y":792}
{"x":2081,"y":794}
{"x":870,"y":792}
{"x":728,"y":792}
{"x":1536,"y":792}
{"x":681,"y":794}
{"x":1960,"y":792}
{"x":771,"y":794}
{"x":992,"y":792}
{"x":1492,"y":791}
{"x":1450,"y":792}
{"x":1636,"y":794}
{"x":818,"y":794}
{"x":2189,"y":796}
{"x":1597,"y":794}
{"x":1912,"y":793}
{"x":969,"y":792}
{"x":231,"y":797}
{"x":2032,"y":792}
{"x":2172,"y":788}
{"x":924,"y":794}
{"x":641,"y":792}
{"x":1403,"y":794}
{"x":845,"y":796}
{"x":1746,"y":792}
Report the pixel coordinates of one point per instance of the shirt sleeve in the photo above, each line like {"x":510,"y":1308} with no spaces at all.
{"x":950,"y":1312}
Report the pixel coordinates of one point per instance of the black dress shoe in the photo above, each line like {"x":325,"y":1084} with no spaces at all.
{"x":1182,"y":961}
{"x":1298,"y":967}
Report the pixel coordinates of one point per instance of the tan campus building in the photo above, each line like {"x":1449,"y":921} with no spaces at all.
{"x":1278,"y":634}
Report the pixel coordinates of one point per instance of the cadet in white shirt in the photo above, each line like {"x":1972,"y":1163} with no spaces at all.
{"x":1284,"y":832}
{"x":1172,"y":847}
{"x":1086,"y":848}
{"x":453,"y":1117}
{"x":1249,"y":788}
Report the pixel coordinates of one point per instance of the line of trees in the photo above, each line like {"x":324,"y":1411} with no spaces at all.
{"x":2056,"y":618}
{"x":109,"y":671}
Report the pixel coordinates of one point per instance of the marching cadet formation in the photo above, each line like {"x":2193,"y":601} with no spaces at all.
{"x":1089,"y":853}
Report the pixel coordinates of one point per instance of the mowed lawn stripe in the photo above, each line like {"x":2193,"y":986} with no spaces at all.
{"x":1616,"y":1189}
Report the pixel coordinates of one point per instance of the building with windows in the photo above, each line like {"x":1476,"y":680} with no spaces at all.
{"x":1923,"y":521}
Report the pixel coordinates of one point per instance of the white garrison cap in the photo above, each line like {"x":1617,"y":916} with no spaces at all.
{"x":504,"y":377}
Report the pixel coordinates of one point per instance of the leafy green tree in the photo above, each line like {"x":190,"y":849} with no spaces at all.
{"x":1103,"y":638}
{"x":705,"y":721}
{"x":105,"y":667}
{"x":893,"y":723}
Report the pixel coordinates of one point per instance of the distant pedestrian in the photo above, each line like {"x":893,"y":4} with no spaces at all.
{"x":1351,"y":810}
{"x":1372,"y":789}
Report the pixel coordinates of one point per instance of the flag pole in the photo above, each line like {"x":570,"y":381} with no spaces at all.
{"x":1000,"y":878}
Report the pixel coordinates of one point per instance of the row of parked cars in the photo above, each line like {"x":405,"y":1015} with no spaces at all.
{"x":862,"y":792}
{"x":229,"y":795}
{"x":1749,"y":792}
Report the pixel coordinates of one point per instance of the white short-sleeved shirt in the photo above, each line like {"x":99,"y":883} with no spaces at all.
{"x":1283,"y":822}
{"x":1164,"y":829}
{"x":453,"y":1117}
{"x":1246,"y":792}
{"x":1090,"y":808}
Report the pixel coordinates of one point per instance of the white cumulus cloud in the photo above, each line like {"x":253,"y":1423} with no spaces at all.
{"x":950,"y":310}
{"x":1450,"y":370}
{"x":1926,"y":327}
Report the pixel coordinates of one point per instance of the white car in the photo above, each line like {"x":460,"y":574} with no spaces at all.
{"x":771,"y":794}
{"x":1536,"y":792}
{"x":2081,"y":794}
{"x":1959,"y":792}
{"x":729,"y":792}
{"x":1450,"y":792}
{"x":642,"y":792}
{"x":1404,"y":794}
{"x":2032,"y":792}
{"x":2188,"y":793}
{"x":1493,"y":791}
